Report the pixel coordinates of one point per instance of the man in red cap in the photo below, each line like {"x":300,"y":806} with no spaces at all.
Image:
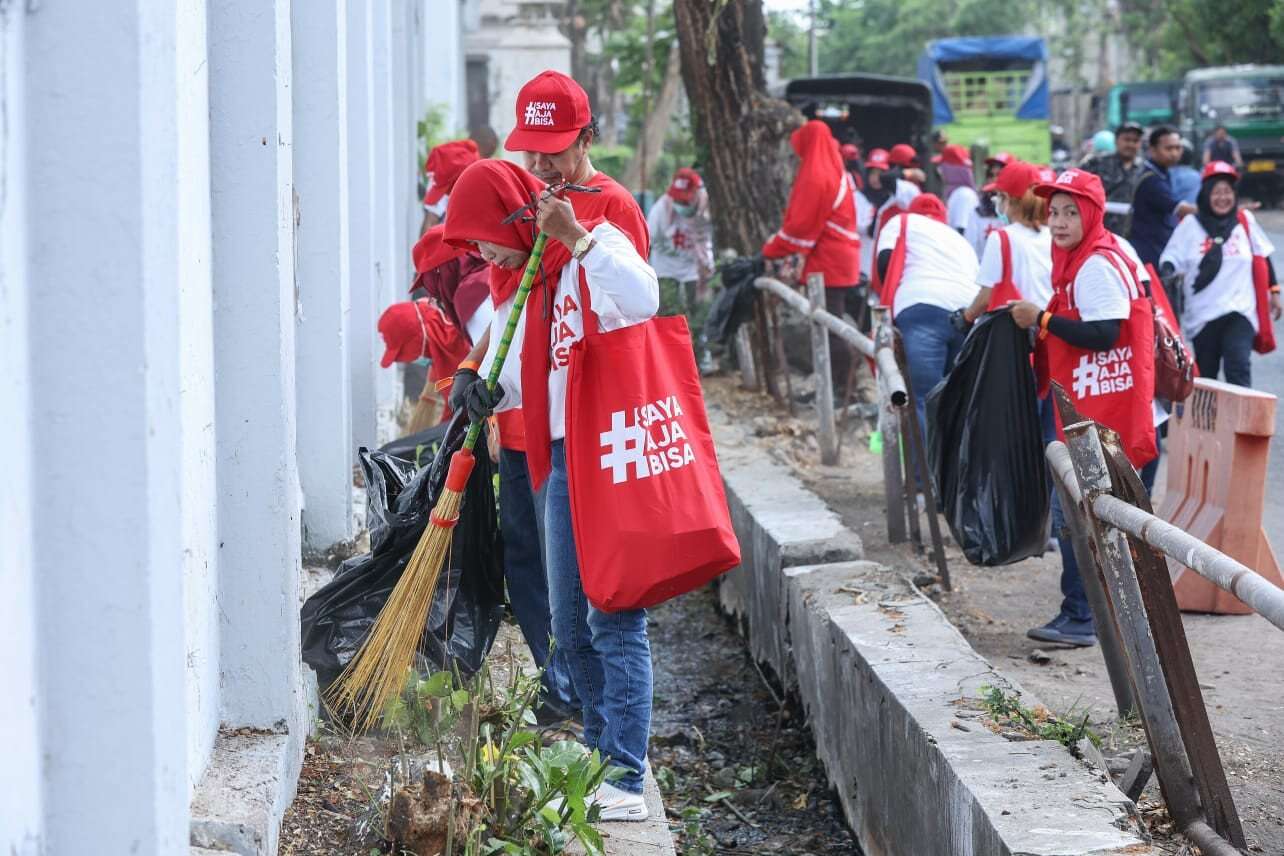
{"x":850,"y":153}
{"x":681,"y":237}
{"x":903,"y":157}
{"x":441,"y":170}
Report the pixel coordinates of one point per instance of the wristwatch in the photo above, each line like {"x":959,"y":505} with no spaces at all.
{"x":582,"y":246}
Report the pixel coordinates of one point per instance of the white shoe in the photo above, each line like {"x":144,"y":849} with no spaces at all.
{"x":619,"y":805}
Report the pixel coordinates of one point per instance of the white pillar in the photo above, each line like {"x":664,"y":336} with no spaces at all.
{"x":319,"y":46}
{"x":362,"y":335}
{"x":387,"y":286}
{"x":103,"y":263}
{"x":20,"y":822}
{"x":403,"y":144}
{"x":253,"y":253}
{"x":442,"y":43}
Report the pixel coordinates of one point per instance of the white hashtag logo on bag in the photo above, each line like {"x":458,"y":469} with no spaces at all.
{"x":1086,"y":378}
{"x":627,"y":446}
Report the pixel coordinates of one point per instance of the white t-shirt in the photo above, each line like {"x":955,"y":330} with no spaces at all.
{"x":1031,"y":262}
{"x":623,"y":290}
{"x":1232,"y":289}
{"x":1100,"y":293}
{"x":867,"y":214}
{"x":679,"y":244}
{"x":940,"y":267}
{"x":978,"y":230}
{"x":476,"y":324}
{"x":961,"y":208}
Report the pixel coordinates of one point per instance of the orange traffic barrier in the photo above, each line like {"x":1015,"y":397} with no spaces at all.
{"x":1218,"y":447}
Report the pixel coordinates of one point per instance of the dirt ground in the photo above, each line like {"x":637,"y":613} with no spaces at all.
{"x":1237,"y":658}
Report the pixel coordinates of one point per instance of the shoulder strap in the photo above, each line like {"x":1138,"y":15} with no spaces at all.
{"x":1005,"y":253}
{"x":1242,"y":216}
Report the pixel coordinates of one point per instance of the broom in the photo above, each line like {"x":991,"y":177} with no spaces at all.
{"x":427,"y":410}
{"x":377,"y":673}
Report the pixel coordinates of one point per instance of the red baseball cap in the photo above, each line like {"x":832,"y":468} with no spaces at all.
{"x":878,"y":159}
{"x":1001,"y":158}
{"x":849,"y":152}
{"x":686,"y":183}
{"x":1076,"y":182}
{"x":444,"y":165}
{"x":903,"y":154}
{"x":405,"y":335}
{"x":431,"y":252}
{"x":955,"y":154}
{"x":1214,"y":168}
{"x":1015,"y":179}
{"x":552,"y":109}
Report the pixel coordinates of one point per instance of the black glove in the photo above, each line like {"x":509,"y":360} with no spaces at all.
{"x":480,"y":401}
{"x":463,"y":380}
{"x":959,"y":322}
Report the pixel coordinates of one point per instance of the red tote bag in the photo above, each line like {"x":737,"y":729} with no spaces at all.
{"x":647,"y":504}
{"x":1264,"y":341}
{"x":1005,"y":290}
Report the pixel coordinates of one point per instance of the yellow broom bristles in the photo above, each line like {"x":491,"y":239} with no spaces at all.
{"x":378,"y":671}
{"x":427,"y":410}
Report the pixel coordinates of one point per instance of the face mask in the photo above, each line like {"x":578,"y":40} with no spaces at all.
{"x":683,"y":210}
{"x":1003,"y":218}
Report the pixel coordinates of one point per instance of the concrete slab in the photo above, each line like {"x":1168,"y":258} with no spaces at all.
{"x":780,"y":524}
{"x":205,"y":851}
{"x":651,"y":838}
{"x":885,"y":679}
{"x":248,"y":785}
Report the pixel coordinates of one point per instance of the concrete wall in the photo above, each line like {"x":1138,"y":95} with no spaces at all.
{"x":165,"y":366}
{"x":443,"y":68}
{"x":20,"y":822}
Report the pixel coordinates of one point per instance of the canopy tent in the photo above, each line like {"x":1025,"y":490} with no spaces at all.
{"x":986,"y":54}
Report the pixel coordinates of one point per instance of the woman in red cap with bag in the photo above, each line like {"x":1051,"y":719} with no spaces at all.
{"x":1232,"y":296}
{"x":820,"y":227}
{"x":681,"y":238}
{"x":882,"y":198}
{"x":608,"y":652}
{"x":443,"y":167}
{"x":1096,"y":340}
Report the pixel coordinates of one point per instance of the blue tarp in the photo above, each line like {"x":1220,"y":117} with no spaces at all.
{"x":1005,"y":50}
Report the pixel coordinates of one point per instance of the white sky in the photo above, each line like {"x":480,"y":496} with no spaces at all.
{"x":785,"y":5}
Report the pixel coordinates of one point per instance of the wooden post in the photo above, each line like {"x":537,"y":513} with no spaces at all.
{"x":825,"y":431}
{"x":745,"y":358}
{"x":889,"y":429}
{"x":1111,"y":546}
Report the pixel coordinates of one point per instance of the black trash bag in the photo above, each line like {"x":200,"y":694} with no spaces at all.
{"x":418,"y":448}
{"x":734,"y":304}
{"x":986,"y":446}
{"x":469,"y":601}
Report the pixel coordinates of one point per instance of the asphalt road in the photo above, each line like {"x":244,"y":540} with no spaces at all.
{"x":1268,"y":375}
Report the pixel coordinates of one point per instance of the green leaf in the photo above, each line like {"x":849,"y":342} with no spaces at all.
{"x":718,"y":796}
{"x":590,"y":838}
{"x":438,"y":685}
{"x":459,"y":698}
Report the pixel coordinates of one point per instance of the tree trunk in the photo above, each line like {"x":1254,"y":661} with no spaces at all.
{"x":743,"y":134}
{"x":656,"y":126}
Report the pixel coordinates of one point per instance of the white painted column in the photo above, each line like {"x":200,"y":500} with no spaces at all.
{"x":103,"y":263}
{"x":362,"y":335}
{"x":319,"y":46}
{"x":253,"y":252}
{"x":403,"y":143}
{"x":387,"y":286}
{"x":21,"y":826}
{"x":442,"y":42}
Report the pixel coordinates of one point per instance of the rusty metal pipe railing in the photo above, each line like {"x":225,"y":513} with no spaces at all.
{"x":1208,"y":841}
{"x":883,"y":357}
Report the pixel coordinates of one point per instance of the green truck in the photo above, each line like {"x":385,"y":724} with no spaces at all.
{"x":1249,"y":101}
{"x":1147,"y":103}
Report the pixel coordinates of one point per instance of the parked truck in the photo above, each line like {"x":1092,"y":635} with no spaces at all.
{"x":1147,"y":103}
{"x":992,"y":91}
{"x":1249,"y":101}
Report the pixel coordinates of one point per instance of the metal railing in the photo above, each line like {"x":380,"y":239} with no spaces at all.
{"x":1123,"y":551}
{"x":894,"y":395}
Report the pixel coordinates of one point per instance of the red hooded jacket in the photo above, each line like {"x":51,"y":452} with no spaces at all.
{"x":820,"y":220}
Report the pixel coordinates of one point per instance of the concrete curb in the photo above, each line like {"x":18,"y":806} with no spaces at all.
{"x":881,"y":672}
{"x":248,"y":785}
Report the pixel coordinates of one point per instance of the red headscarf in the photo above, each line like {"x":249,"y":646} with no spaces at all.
{"x":820,"y":175}
{"x":1090,"y":199}
{"x":929,"y":205}
{"x":444,"y":165}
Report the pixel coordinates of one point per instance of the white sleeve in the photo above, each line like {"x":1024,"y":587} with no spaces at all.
{"x":888,"y":234}
{"x":1182,"y":250}
{"x":655,"y":223}
{"x":961,"y":206}
{"x":510,"y":376}
{"x":905,"y":193}
{"x":1100,"y":293}
{"x":622,"y":287}
{"x":991,"y":270}
{"x":1262,"y":245}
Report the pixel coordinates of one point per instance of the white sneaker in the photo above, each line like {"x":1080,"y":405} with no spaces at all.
{"x":619,"y":805}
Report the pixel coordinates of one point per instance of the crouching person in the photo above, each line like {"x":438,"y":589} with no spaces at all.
{"x":593,"y":262}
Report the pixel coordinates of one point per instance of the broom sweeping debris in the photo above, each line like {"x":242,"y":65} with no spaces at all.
{"x":377,"y":673}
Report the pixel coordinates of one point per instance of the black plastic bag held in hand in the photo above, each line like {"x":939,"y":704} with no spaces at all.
{"x":467,"y":605}
{"x":986,"y":446}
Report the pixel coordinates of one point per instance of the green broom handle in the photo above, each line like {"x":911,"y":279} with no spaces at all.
{"x":519,"y":301}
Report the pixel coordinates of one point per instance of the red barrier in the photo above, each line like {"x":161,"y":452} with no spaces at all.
{"x":1218,"y":449}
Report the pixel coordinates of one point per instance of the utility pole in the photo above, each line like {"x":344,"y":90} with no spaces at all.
{"x":813,"y":62}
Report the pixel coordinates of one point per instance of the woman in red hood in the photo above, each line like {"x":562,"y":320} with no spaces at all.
{"x":591,"y":258}
{"x":820,"y":226}
{"x":442,"y":169}
{"x":1096,"y":340}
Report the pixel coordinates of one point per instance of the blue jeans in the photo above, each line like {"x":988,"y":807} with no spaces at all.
{"x":525,"y":578}
{"x":1074,"y":601}
{"x":608,"y":652}
{"x":931,"y":344}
